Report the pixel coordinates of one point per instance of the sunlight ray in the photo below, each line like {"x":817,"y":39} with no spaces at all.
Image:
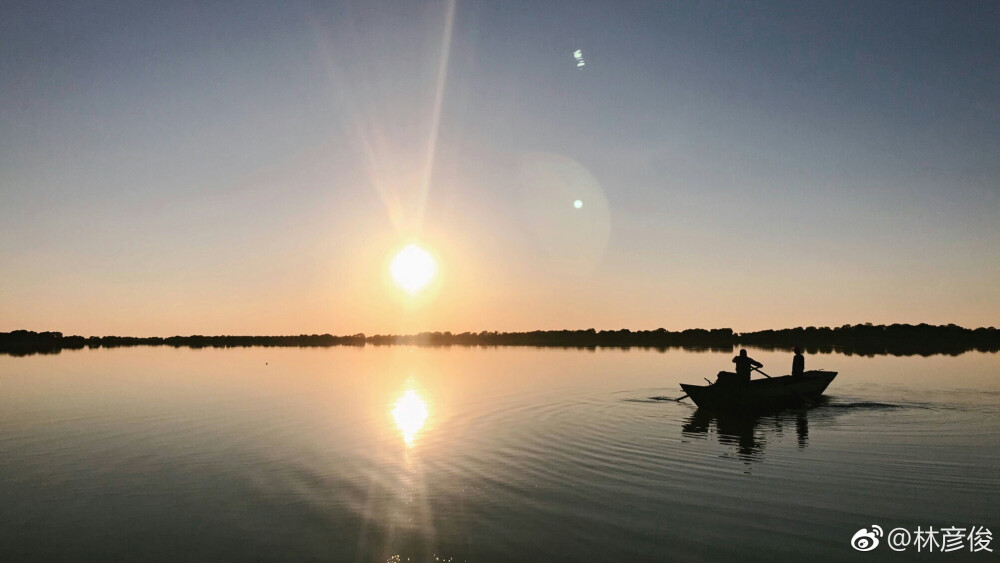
{"x":432,"y":138}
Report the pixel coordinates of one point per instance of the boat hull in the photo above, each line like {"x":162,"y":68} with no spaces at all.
{"x":760,"y":394}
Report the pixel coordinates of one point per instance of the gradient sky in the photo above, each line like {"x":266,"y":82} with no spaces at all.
{"x":249,"y":168}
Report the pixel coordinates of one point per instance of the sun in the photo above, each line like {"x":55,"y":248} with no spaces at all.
{"x":412,"y":268}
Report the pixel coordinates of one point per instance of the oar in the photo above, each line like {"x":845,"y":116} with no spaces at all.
{"x":762,"y":373}
{"x":684,"y":396}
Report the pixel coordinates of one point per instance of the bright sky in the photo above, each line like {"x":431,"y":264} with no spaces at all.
{"x":254,"y":167}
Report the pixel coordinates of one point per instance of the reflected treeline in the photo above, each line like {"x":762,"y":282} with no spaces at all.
{"x":871,"y":340}
{"x":866,"y":340}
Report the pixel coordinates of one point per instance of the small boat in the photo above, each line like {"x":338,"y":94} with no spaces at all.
{"x":729,"y":392}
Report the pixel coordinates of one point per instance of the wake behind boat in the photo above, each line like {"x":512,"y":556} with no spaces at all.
{"x":730,"y":392}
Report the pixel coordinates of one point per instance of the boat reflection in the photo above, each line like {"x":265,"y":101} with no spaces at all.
{"x":410,"y":414}
{"x":749,"y":433}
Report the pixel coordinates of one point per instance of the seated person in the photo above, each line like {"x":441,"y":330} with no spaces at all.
{"x":744,"y":365}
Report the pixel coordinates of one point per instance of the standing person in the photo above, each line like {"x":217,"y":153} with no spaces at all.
{"x":798,"y":362}
{"x":744,"y":365}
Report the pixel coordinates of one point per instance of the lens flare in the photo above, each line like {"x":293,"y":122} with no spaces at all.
{"x":412,"y":268}
{"x":566,"y":211}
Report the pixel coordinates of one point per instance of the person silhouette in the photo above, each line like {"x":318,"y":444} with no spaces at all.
{"x":744,"y":365}
{"x":798,"y":362}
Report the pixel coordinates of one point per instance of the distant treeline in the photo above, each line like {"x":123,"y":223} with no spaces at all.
{"x":22,"y":342}
{"x":590,"y":338}
{"x":869,"y":340}
{"x":862,"y":339}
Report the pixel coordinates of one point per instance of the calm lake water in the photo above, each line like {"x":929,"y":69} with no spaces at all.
{"x":472,"y":454}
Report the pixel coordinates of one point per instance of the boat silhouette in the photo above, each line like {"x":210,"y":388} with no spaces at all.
{"x":730,"y":393}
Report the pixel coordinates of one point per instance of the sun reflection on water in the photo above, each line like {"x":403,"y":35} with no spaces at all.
{"x":410,"y":413}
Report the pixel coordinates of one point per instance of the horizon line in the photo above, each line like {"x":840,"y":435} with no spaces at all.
{"x":516,"y":332}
